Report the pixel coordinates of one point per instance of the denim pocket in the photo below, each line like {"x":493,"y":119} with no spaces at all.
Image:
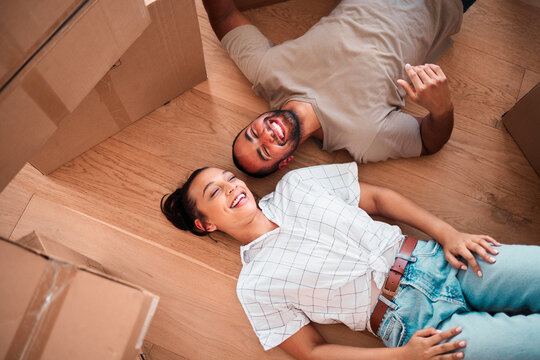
{"x":426,"y":248}
{"x":392,"y":330}
{"x":432,"y":275}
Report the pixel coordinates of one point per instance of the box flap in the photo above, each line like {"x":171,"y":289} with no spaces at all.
{"x":60,"y":311}
{"x":523,"y":123}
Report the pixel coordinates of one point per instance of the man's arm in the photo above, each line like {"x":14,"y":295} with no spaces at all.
{"x":431,"y":91}
{"x":381,"y":201}
{"x":308,"y":344}
{"x":224,"y":16}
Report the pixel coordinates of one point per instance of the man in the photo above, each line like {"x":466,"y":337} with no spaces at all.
{"x":342,"y":82}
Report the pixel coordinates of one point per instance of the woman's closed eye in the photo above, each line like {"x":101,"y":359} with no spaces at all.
{"x":214,"y":192}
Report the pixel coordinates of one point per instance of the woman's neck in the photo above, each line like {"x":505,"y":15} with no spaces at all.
{"x":257,"y":227}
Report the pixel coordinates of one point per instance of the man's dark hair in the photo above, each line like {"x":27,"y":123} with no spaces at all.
{"x":258,"y":174}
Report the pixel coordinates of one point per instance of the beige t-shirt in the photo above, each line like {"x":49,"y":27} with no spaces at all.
{"x":347,"y":66}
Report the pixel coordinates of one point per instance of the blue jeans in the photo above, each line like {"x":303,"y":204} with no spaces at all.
{"x":499,"y":313}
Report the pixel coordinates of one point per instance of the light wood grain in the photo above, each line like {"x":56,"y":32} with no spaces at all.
{"x":475,"y":91}
{"x":154,"y":352}
{"x":505,"y":29}
{"x":13,"y":201}
{"x":479,"y":182}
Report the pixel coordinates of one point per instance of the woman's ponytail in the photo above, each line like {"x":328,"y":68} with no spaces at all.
{"x":180,"y":210}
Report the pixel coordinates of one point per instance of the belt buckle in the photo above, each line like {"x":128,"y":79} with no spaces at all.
{"x":388,"y":292}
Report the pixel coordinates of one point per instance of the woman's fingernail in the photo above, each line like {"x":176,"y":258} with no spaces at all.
{"x":407,"y":66}
{"x":492,"y":259}
{"x":462,"y":344}
{"x":463,"y":267}
{"x":479,"y":273}
{"x":459,"y":355}
{"x":458,"y":329}
{"x":496,"y":251}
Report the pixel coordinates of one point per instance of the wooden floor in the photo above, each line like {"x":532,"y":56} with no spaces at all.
{"x":105,"y":203}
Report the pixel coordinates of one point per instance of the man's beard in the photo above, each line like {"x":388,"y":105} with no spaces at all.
{"x":292,"y":123}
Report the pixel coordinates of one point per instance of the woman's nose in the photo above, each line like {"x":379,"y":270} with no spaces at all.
{"x":230,"y":188}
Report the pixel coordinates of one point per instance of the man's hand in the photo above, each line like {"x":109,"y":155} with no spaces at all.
{"x":425,"y":344}
{"x":430,"y":90}
{"x":461,"y":244}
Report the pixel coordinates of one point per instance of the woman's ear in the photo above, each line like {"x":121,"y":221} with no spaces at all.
{"x":205,"y":227}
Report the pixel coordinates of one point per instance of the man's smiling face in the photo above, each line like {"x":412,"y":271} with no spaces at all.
{"x":271,"y":138}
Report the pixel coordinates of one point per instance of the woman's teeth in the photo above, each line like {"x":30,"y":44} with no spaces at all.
{"x":237,"y":200}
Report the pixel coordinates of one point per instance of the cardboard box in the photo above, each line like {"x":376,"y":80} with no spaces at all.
{"x":523,"y":123}
{"x":46,"y":246}
{"x":56,"y":310}
{"x":166,"y":60}
{"x":27,"y":25}
{"x":62,"y":71}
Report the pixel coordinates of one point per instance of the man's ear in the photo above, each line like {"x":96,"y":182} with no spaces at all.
{"x":283,"y":163}
{"x":206,"y":227}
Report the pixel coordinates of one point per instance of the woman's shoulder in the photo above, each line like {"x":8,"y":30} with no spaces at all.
{"x":321,"y":172}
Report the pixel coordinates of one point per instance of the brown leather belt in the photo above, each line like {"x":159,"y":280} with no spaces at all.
{"x":392,"y":282}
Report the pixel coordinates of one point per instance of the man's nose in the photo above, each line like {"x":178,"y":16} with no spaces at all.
{"x":268,"y":136}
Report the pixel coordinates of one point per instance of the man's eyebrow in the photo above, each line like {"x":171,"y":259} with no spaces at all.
{"x":250,"y":139}
{"x":259,"y":152}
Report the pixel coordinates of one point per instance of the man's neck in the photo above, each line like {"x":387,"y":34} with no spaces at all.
{"x":309,"y":123}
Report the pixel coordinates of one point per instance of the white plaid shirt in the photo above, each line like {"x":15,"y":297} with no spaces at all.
{"x":317,"y":265}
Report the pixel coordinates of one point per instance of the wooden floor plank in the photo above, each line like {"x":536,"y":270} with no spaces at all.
{"x":505,"y":29}
{"x":476,"y":93}
{"x":13,"y":201}
{"x":479,"y":182}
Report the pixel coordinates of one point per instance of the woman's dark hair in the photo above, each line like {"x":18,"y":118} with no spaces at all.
{"x":180,"y":210}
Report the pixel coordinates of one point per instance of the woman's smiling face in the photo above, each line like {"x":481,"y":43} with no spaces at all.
{"x":223,"y":199}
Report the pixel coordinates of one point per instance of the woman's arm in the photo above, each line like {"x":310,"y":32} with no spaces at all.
{"x":381,"y":201}
{"x":308,"y":344}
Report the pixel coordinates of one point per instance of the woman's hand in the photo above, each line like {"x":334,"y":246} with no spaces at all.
{"x":461,"y":244}
{"x":425,"y":344}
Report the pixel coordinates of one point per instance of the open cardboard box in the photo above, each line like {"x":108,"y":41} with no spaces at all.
{"x":166,"y":60}
{"x":523,"y":122}
{"x":53,"y":309}
{"x":53,"y":53}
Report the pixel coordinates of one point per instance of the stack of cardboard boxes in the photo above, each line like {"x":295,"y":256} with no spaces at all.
{"x":74,"y":72}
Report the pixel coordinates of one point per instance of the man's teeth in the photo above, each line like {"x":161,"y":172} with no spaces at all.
{"x":237,"y":200}
{"x":277,"y":129}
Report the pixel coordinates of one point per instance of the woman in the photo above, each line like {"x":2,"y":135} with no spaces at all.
{"x":311,"y":252}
